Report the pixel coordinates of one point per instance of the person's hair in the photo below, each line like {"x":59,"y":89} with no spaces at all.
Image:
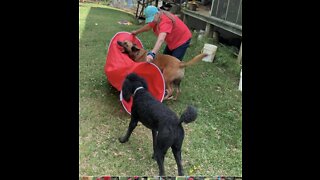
{"x":168,"y":14}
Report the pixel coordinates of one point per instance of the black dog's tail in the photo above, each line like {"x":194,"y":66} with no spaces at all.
{"x":189,"y":115}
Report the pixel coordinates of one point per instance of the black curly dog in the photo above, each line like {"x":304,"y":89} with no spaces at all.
{"x":167,"y":130}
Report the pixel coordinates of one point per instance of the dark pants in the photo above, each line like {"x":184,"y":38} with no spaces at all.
{"x":179,"y":51}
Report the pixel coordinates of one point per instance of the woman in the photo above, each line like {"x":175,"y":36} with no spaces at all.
{"x":168,"y":28}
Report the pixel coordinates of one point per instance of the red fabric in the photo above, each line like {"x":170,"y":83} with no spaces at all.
{"x":107,"y":177}
{"x":119,"y":65}
{"x":177,"y":33}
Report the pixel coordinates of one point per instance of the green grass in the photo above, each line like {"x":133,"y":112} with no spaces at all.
{"x":213,"y":143}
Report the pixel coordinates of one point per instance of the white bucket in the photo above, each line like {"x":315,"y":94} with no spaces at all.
{"x":240,"y":83}
{"x":210,"y":49}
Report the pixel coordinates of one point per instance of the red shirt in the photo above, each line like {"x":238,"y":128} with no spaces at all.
{"x":177,"y":33}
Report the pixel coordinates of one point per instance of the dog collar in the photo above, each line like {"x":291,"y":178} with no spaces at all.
{"x":137,"y":90}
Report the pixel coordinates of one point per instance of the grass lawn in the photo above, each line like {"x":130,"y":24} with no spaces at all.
{"x":212,"y":144}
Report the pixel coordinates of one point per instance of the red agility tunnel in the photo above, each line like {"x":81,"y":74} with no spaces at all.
{"x":119,"y":65}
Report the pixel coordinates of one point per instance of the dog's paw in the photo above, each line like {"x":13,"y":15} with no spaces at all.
{"x":122,"y":139}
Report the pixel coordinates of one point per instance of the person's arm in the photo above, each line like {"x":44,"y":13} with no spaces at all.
{"x":160,"y":40}
{"x":157,"y":46}
{"x":142,"y":29}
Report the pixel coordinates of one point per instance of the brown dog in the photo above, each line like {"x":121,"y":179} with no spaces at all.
{"x":171,"y":67}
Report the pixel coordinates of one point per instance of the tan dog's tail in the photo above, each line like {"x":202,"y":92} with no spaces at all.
{"x":193,"y":60}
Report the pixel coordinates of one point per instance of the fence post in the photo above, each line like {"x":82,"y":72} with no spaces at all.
{"x":240,"y":54}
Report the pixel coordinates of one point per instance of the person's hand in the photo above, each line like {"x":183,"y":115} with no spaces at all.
{"x":134,"y":33}
{"x":149,"y":58}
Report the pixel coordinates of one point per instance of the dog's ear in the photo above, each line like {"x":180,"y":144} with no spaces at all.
{"x":134,"y":48}
{"x":121,"y":46}
{"x":126,"y":90}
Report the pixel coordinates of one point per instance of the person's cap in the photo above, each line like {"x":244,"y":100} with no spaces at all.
{"x":149,"y":13}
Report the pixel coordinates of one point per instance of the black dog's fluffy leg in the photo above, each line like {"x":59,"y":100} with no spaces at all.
{"x":154,"y":139}
{"x":160,"y":160}
{"x":163,"y":144}
{"x":176,"y":149}
{"x":132,"y":125}
{"x":177,"y":157}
